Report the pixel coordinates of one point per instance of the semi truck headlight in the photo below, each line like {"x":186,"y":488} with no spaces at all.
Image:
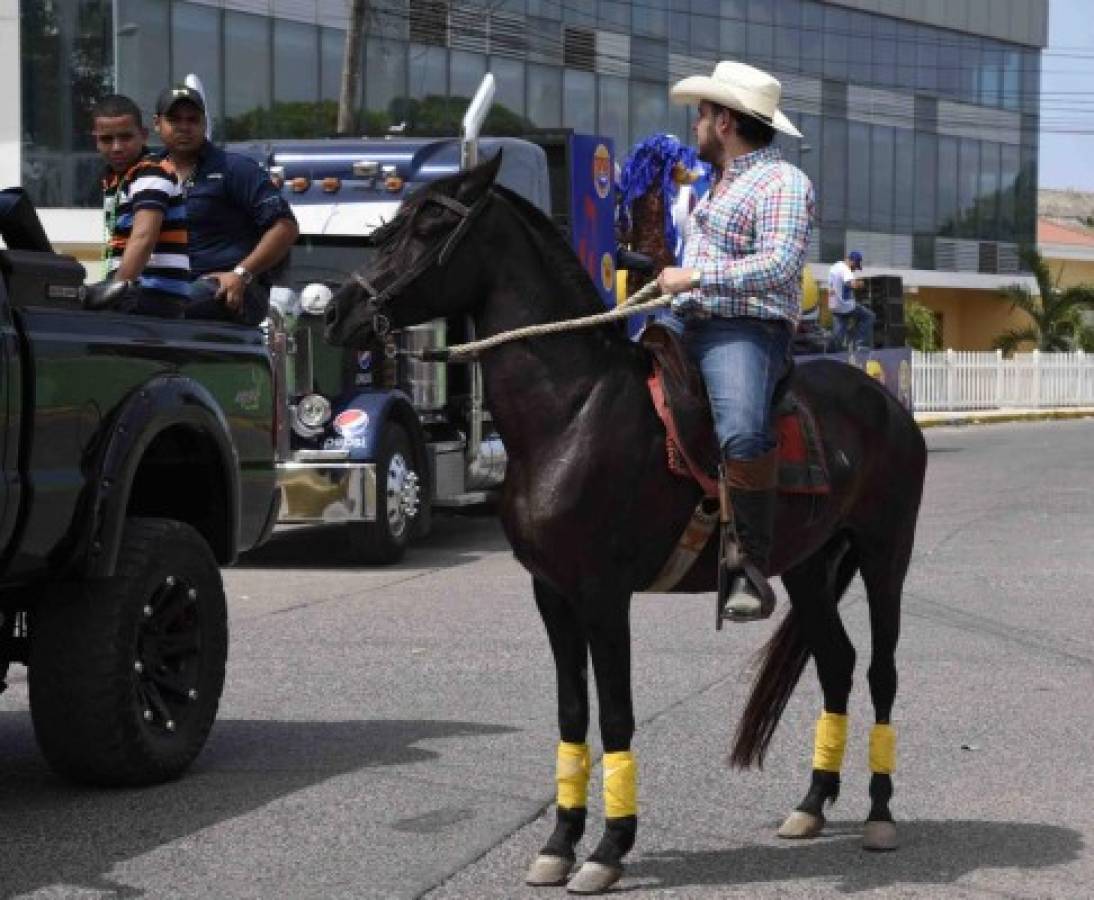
{"x":315,"y":298}
{"x":313,"y":411}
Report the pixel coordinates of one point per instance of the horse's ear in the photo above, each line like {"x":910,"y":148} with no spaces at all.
{"x":479,"y":179}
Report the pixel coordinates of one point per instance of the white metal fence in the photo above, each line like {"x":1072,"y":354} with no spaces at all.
{"x":959,"y":379}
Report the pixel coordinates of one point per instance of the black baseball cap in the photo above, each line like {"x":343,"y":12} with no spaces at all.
{"x":177,"y":94}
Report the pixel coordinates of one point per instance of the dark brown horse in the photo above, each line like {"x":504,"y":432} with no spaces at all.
{"x":592,"y":511}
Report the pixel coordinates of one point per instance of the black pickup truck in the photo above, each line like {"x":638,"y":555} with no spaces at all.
{"x":138,"y":458}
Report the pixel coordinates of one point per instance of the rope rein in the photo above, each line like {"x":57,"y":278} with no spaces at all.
{"x":646,"y":299}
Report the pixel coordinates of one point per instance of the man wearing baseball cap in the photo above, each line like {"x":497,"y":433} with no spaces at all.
{"x":851,"y":321}
{"x":737,"y":302}
{"x":239,"y":224}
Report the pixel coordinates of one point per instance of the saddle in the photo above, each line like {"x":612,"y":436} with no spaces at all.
{"x":680,"y":398}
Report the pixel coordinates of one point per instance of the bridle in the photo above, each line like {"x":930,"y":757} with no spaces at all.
{"x":439,"y":253}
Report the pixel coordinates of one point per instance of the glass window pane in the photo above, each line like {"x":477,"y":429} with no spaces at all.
{"x":884,"y":52}
{"x":860,"y":48}
{"x":547,"y":9}
{"x":991,"y":74}
{"x":649,"y":108}
{"x":832,"y":188}
{"x":788,"y":44}
{"x":466,"y":71}
{"x":904,"y":181}
{"x":649,"y":59}
{"x":969,"y":87}
{"x":427,"y":71}
{"x":385,"y":84}
{"x":858,"y":163}
{"x":837,"y":29}
{"x":733,"y":28}
{"x":650,"y":19}
{"x":1031,"y":80}
{"x":926,"y":175}
{"x":704,"y":24}
{"x":949,"y":65}
{"x":760,"y":11}
{"x":195,"y":45}
{"x":1009,"y":163}
{"x":613,"y":108}
{"x":906,"y":50}
{"x":331,"y":54}
{"x":508,"y":84}
{"x":812,"y":46}
{"x":142,"y":28}
{"x":988,"y":201}
{"x":881,"y":178}
{"x":947,"y":186}
{"x":810,"y":127}
{"x":579,"y":100}
{"x":926,"y":59}
{"x":545,"y":96}
{"x":66,"y":63}
{"x":296,"y":81}
{"x":968,"y":184}
{"x":246,"y":75}
{"x":615,"y":13}
{"x":1012,"y":79}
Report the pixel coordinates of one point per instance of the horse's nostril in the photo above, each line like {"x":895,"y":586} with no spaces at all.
{"x":332,"y":314}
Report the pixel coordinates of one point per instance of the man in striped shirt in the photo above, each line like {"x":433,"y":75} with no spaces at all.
{"x":737,"y":302}
{"x":144,"y":211}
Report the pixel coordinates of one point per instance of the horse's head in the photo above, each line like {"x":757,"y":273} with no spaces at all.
{"x":423,"y":269}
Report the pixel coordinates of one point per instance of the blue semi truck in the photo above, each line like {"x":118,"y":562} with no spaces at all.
{"x":374,"y":439}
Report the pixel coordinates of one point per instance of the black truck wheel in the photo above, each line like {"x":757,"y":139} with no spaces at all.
{"x":398,"y":503}
{"x":126,"y":673}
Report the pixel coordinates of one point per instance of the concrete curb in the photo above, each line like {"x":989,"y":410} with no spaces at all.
{"x":992,"y":416}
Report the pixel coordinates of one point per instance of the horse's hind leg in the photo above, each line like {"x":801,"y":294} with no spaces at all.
{"x":883,"y":570}
{"x":815,"y":587}
{"x":570,"y":649}
{"x":608,"y":630}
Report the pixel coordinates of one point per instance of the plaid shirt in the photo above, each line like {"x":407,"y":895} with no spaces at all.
{"x":748,"y":238}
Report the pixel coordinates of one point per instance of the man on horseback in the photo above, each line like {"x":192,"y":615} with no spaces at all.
{"x":737,"y":302}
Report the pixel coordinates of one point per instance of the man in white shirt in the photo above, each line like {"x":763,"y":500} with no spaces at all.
{"x":852,"y":323}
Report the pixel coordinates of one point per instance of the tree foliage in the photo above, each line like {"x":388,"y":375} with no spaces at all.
{"x":920,"y":327}
{"x":1055,"y":317}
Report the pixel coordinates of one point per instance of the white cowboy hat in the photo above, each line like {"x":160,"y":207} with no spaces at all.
{"x":739,"y":87}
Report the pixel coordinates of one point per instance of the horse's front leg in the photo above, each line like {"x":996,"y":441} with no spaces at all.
{"x":571,"y":651}
{"x":607,"y":626}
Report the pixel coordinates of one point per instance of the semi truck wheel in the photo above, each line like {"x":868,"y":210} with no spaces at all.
{"x":398,"y":503}
{"x":126,"y":673}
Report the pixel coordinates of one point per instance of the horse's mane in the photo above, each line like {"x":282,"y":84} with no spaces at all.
{"x":574,"y":280}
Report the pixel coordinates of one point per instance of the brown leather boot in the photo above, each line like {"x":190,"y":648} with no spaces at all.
{"x":747,"y":488}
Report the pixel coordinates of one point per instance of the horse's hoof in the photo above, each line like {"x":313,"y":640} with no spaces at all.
{"x":549,"y":871}
{"x":800,"y":825}
{"x":594,"y":878}
{"x":879,"y":837}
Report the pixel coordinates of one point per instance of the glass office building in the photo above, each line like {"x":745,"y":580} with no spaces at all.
{"x":920,"y":130}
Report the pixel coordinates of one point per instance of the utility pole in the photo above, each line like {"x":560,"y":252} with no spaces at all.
{"x":351,"y":67}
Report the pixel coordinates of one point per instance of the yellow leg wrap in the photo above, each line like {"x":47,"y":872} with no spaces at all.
{"x":882,"y":750}
{"x":620,"y":785}
{"x":572,"y":766}
{"x":829,"y":742}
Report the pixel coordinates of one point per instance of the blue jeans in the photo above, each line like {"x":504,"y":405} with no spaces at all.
{"x":859,"y":322}
{"x":742,"y":359}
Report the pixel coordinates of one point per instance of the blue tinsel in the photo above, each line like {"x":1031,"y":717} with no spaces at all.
{"x":651,"y":161}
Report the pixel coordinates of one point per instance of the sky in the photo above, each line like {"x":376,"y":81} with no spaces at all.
{"x":1067,"y":97}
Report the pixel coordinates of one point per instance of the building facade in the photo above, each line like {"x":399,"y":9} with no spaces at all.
{"x":920,"y":116}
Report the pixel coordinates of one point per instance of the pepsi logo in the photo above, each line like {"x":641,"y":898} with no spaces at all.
{"x":350,"y":422}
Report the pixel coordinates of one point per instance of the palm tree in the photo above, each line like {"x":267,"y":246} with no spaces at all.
{"x":1056,"y":321}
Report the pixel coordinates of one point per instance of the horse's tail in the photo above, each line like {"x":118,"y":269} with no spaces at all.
{"x":783,"y":661}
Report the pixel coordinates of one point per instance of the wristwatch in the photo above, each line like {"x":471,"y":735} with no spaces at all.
{"x":696,"y":280}
{"x":244,"y":274}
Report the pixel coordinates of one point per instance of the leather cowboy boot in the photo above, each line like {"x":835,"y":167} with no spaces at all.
{"x":749,"y":487}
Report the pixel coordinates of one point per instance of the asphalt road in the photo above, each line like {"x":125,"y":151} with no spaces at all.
{"x":390,"y":732}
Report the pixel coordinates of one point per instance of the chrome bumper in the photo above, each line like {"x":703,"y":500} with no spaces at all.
{"x":321,"y":491}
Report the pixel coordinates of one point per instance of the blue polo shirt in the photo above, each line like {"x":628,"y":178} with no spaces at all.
{"x":230,"y":204}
